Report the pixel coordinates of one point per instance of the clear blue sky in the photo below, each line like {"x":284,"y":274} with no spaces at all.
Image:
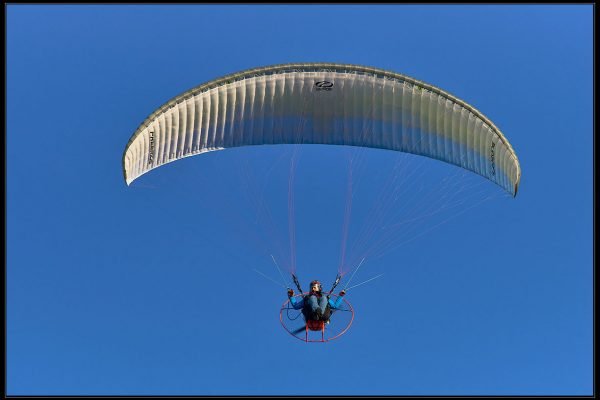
{"x":151,"y":289}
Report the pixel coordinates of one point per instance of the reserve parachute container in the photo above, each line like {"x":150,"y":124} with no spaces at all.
{"x":323,"y":103}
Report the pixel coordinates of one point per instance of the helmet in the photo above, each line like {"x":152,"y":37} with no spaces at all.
{"x":315,"y":282}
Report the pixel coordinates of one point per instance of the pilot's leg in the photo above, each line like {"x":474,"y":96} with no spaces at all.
{"x":314,"y":307}
{"x":323,"y":304}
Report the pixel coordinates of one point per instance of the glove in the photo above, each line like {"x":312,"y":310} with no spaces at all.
{"x":290,"y":292}
{"x":342,"y":293}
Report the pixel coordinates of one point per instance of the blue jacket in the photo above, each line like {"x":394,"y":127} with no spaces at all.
{"x":299,"y":304}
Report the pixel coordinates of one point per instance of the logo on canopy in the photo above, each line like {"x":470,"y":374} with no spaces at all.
{"x":324,"y":85}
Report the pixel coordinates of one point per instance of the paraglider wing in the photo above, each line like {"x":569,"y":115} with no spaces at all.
{"x":323,"y":104}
